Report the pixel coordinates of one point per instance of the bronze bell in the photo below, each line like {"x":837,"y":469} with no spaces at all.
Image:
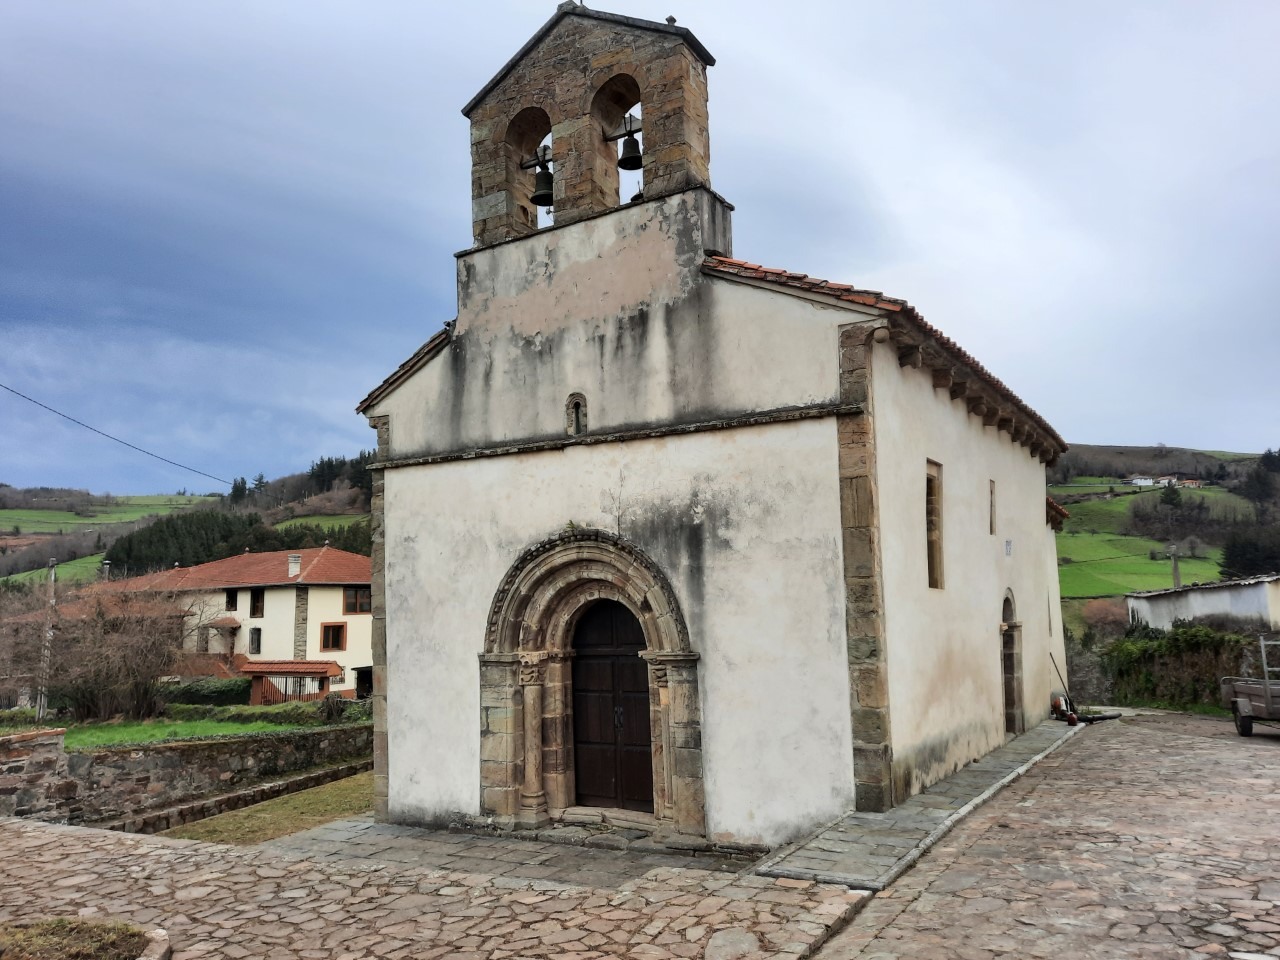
{"x":542,"y":187}
{"x":630,"y":158}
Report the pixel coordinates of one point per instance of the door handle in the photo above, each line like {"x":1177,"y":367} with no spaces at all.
{"x":617,"y":717}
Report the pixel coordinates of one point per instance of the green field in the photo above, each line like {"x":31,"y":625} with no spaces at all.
{"x":1111,"y":515}
{"x":122,"y":511}
{"x":85,"y":568}
{"x":1106,"y":564}
{"x":329,"y":523}
{"x":106,"y":734}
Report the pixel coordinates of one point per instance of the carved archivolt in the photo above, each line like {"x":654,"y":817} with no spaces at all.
{"x":527,"y":763}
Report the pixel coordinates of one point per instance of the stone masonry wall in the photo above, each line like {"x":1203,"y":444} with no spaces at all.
{"x":33,"y":774}
{"x":39,"y":778}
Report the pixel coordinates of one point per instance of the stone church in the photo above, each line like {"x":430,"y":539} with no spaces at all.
{"x":665,"y":531}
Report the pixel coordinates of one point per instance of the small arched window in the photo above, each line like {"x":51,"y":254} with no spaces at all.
{"x":575,"y":415}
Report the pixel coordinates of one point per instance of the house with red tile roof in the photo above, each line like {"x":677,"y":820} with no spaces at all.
{"x":306,"y":613}
{"x":665,"y":530}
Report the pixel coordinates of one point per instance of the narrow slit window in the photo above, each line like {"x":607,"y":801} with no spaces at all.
{"x":575,"y":415}
{"x":933,"y":522}
{"x":993,"y":506}
{"x":255,"y":641}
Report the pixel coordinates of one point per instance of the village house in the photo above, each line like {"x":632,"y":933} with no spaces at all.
{"x":657,"y":529}
{"x":299,"y":619}
{"x":1252,"y":598}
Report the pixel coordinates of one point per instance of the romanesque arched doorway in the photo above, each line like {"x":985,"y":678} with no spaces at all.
{"x":529,"y":763}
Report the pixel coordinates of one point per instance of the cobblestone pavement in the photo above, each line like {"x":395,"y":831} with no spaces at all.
{"x":868,"y":850}
{"x":363,"y":841}
{"x":220,"y":901}
{"x":1153,"y":837}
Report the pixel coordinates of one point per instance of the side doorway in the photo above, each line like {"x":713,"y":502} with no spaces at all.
{"x":1011,"y":668}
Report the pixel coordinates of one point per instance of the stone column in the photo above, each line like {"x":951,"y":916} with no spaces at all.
{"x":681,"y":724}
{"x":533,"y":798}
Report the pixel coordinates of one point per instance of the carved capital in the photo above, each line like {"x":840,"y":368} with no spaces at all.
{"x":533,"y":667}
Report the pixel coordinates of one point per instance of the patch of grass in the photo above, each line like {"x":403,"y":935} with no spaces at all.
{"x":284,"y":815}
{"x":111,"y":734}
{"x":1073,"y":616}
{"x":334,"y":522}
{"x":123,"y":510}
{"x":84,"y":568}
{"x":1106,"y":565}
{"x":60,"y":939}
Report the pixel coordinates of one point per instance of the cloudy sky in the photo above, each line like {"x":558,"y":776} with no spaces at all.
{"x":222,"y":224}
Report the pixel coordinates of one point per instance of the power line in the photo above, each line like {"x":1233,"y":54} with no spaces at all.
{"x":101,"y":433}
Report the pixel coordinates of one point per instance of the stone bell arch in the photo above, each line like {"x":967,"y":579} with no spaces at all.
{"x":526,"y":701}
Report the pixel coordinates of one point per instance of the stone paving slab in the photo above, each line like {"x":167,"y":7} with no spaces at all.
{"x":362,"y":841}
{"x":218,"y":901}
{"x":1150,"y":838}
{"x":868,"y":851}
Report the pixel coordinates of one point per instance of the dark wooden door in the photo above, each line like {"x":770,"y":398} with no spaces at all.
{"x":613,"y":756}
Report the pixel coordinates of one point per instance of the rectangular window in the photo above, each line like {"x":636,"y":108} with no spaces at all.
{"x":933,"y":522}
{"x":232,"y":597}
{"x":993,"y":507}
{"x":255,"y":641}
{"x":333,"y":636}
{"x":357,"y":599}
{"x":257,"y":601}
{"x":202,"y":640}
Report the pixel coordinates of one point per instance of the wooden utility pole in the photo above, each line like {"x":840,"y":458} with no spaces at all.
{"x":46,"y":647}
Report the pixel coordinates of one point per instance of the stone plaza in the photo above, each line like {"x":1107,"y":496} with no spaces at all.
{"x":1148,"y":837}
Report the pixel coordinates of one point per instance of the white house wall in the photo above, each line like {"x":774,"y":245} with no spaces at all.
{"x":324,"y":605}
{"x":744,"y":522}
{"x":944,"y":645}
{"x":1248,"y":600}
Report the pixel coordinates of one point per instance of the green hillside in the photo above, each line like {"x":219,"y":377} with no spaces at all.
{"x":1105,"y":564}
{"x":85,"y":568}
{"x":123,"y":510}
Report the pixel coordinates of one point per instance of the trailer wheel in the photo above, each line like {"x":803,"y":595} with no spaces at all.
{"x":1244,"y":725}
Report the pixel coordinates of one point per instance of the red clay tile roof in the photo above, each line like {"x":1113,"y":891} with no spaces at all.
{"x":204,"y":665}
{"x":223,"y":622}
{"x":321,"y":566}
{"x":803,"y":283}
{"x":401,"y":373}
{"x":290,"y":668}
{"x":83,"y":608}
{"x":1054,"y":513}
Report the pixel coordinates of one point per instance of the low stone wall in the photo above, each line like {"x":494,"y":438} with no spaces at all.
{"x":159,"y":820}
{"x":33,"y":775}
{"x":38,"y":778}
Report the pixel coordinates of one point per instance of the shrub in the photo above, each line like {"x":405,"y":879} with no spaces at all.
{"x":1180,"y":666}
{"x":212,"y":692}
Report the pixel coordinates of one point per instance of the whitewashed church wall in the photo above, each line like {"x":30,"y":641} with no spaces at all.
{"x":616,"y":309}
{"x":744,"y":522}
{"x":944,"y":645}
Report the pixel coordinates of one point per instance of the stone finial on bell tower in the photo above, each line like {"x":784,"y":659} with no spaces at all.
{"x":576,"y":80}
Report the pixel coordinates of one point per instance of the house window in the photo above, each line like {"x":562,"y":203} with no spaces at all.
{"x":202,"y":640}
{"x":357,"y":599}
{"x":333,"y":636}
{"x":257,"y":601}
{"x":255,"y":641}
{"x":933,"y":522}
{"x":992,"y":492}
{"x":232,"y":597}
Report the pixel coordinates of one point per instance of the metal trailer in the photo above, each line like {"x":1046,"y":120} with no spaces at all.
{"x":1251,"y":699}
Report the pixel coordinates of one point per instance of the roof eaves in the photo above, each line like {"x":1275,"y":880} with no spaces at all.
{"x":800,"y":283}
{"x":570,"y":9}
{"x":420,"y":358}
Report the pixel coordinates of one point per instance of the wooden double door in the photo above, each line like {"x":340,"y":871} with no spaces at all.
{"x":613,"y":754}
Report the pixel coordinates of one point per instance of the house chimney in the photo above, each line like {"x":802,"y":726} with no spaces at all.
{"x":295,"y":564}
